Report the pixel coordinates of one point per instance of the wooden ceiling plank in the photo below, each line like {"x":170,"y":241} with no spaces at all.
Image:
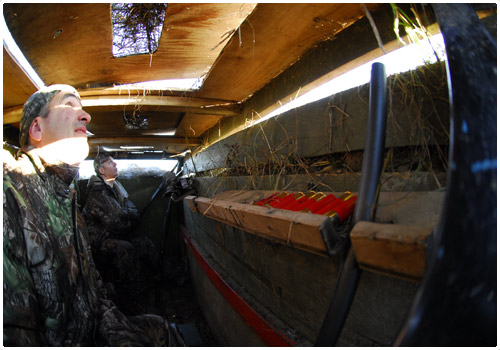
{"x":160,"y":103}
{"x":82,"y":46}
{"x":165,"y":103}
{"x":274,"y":36}
{"x":118,"y":90}
{"x":13,"y":114}
{"x":143,"y":140}
{"x":17,"y":85}
{"x":175,"y":101}
{"x":195,"y":124}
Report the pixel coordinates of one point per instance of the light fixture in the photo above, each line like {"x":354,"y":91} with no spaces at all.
{"x":135,"y":121}
{"x":136,"y":147}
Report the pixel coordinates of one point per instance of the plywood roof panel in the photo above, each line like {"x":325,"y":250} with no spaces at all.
{"x":236,"y":48}
{"x":72,"y":43}
{"x":18,"y":87}
{"x":272,"y":38}
{"x":194,"y":124}
{"x":113,"y":123}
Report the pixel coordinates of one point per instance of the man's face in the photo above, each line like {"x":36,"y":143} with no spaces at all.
{"x":108,"y":169}
{"x":66,"y":119}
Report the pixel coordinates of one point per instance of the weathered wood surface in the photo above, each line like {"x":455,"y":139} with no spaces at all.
{"x":234,"y":306}
{"x":198,"y":105}
{"x":396,"y":250}
{"x":355,"y":44}
{"x":405,"y":208}
{"x":300,"y":230}
{"x":273,"y":37}
{"x":243,"y":196}
{"x":297,"y":286}
{"x":410,"y":208}
{"x":192,"y":39}
{"x":147,"y":103}
{"x":332,"y":125}
{"x":142,"y":140}
{"x":195,"y":124}
{"x":17,"y":87}
{"x":403,"y":182}
{"x":405,"y":219}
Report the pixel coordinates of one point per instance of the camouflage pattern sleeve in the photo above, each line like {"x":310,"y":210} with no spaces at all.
{"x":53,"y":295}
{"x":133,"y":212}
{"x":21,"y":318}
{"x":122,"y":197}
{"x":106,"y":218}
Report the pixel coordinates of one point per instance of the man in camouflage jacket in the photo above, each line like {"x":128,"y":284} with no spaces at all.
{"x":122,"y":255}
{"x":53,"y":294}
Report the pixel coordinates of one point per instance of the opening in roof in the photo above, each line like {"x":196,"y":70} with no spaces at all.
{"x":136,"y":28}
{"x":173,"y":84}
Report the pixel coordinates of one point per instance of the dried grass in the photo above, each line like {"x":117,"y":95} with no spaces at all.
{"x":272,"y":153}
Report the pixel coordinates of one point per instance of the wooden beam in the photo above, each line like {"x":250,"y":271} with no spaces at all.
{"x":392,"y":249}
{"x":255,"y":56}
{"x":195,"y":124}
{"x":299,"y":230}
{"x":166,"y":103}
{"x":184,"y":104}
{"x":12,"y":115}
{"x":143,"y":140}
{"x":131,"y":91}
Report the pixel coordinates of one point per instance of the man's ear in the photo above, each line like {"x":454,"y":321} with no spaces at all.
{"x":100,"y":170}
{"x":36,"y":130}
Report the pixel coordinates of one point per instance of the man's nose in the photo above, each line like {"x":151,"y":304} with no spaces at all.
{"x":84,"y":116}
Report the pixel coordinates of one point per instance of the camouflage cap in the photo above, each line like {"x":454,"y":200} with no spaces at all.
{"x":99,"y":159}
{"x":38,"y":104}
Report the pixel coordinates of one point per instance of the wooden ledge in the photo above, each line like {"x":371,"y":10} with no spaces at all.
{"x":395,"y":245}
{"x":391,"y":249}
{"x":299,"y":230}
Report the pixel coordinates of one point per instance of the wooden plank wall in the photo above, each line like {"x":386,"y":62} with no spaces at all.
{"x":335,"y":124}
{"x":395,"y":244}
{"x":354,"y":45}
{"x":297,"y":286}
{"x":294,"y":284}
{"x":391,"y":182}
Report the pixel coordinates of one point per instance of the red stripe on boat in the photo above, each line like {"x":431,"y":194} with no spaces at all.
{"x":269,"y":334}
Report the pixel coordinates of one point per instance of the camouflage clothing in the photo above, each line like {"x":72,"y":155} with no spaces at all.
{"x":53,"y":295}
{"x":116,"y":246}
{"x":108,"y":211}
